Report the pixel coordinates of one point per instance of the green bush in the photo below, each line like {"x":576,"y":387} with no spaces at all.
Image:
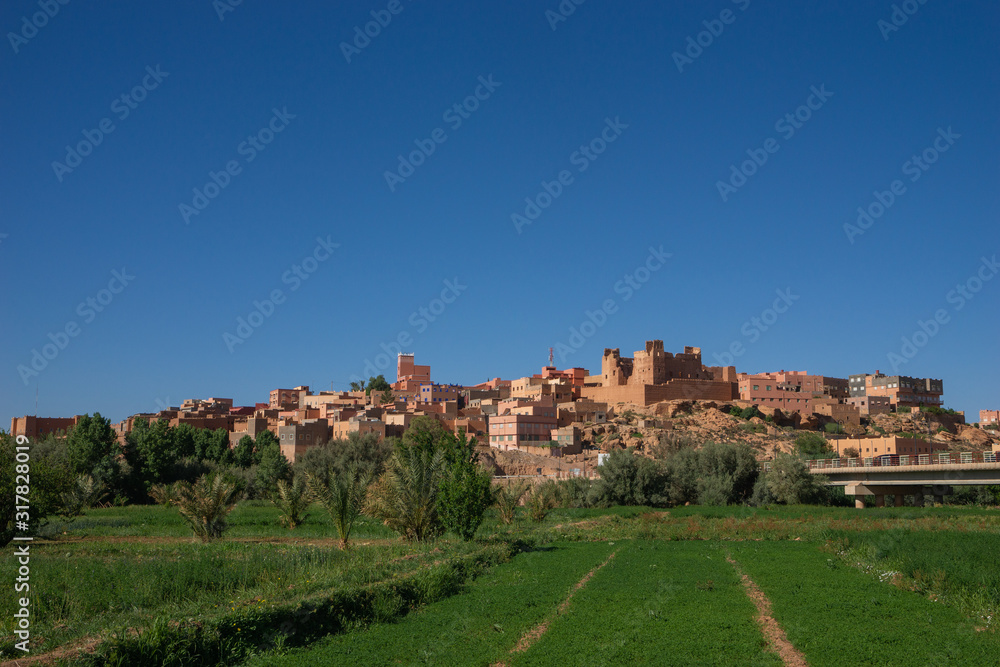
{"x":631,"y":479}
{"x":790,"y":482}
{"x":717,"y":474}
{"x":813,"y":446}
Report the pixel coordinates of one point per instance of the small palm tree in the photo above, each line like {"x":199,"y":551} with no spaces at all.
{"x":163,"y":494}
{"x":205,"y":505}
{"x":508,"y":498}
{"x":292,"y":501}
{"x":406,"y":496}
{"x":343,"y":497}
{"x":84,"y":494}
{"x":540,"y":501}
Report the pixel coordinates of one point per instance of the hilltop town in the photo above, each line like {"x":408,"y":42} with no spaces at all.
{"x":557,"y":422}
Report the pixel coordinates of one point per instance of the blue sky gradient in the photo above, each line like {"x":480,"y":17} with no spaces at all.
{"x":851,"y":298}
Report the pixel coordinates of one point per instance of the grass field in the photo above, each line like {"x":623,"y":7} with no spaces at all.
{"x":480,"y":626}
{"x":839,"y":615}
{"x":676,"y":603}
{"x":851,"y":587}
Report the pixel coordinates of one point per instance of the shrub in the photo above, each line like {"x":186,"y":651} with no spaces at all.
{"x":163,"y":494}
{"x":789,"y":481}
{"x":85,"y":494}
{"x":206,"y":504}
{"x":631,"y":479}
{"x":718,"y":473}
{"x":508,"y":498}
{"x":541,"y":500}
{"x":833,"y":427}
{"x":813,"y":446}
{"x":852,"y":452}
{"x":465,"y":495}
{"x":365,"y":453}
{"x":750,"y":412}
{"x":575,"y":492}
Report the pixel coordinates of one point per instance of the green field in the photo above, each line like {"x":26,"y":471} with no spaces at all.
{"x":677,"y":603}
{"x":848,"y":587}
{"x":480,"y":626}
{"x":836,"y":614}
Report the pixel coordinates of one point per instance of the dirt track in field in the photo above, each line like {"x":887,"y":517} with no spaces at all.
{"x":536,"y":633}
{"x":772,"y":630}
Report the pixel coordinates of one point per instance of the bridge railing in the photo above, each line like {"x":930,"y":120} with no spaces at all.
{"x":944,"y":458}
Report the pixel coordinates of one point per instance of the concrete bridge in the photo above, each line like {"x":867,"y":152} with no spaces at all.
{"x":917,"y":476}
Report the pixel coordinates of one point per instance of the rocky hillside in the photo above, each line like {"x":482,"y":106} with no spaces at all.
{"x":659,"y":428}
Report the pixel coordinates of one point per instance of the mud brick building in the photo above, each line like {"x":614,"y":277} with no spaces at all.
{"x":654,"y":375}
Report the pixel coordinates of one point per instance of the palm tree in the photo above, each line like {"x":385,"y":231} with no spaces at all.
{"x":406,"y":496}
{"x":205,"y":505}
{"x":292,"y":501}
{"x":343,"y":496}
{"x":508,"y":498}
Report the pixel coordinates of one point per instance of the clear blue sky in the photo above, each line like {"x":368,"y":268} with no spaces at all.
{"x":677,"y":127}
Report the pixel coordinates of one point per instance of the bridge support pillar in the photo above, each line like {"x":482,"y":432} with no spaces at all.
{"x":940,"y":491}
{"x":880,"y":491}
{"x":918,"y":497}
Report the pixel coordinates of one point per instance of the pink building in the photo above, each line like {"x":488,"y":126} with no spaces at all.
{"x":523,"y":423}
{"x":409,"y":376}
{"x":437,"y":393}
{"x":989,"y":417}
{"x":791,"y":391}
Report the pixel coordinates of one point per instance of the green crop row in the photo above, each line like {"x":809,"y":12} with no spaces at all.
{"x":478,"y":627}
{"x":86,"y":588}
{"x":238,"y":634}
{"x":657,"y":603}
